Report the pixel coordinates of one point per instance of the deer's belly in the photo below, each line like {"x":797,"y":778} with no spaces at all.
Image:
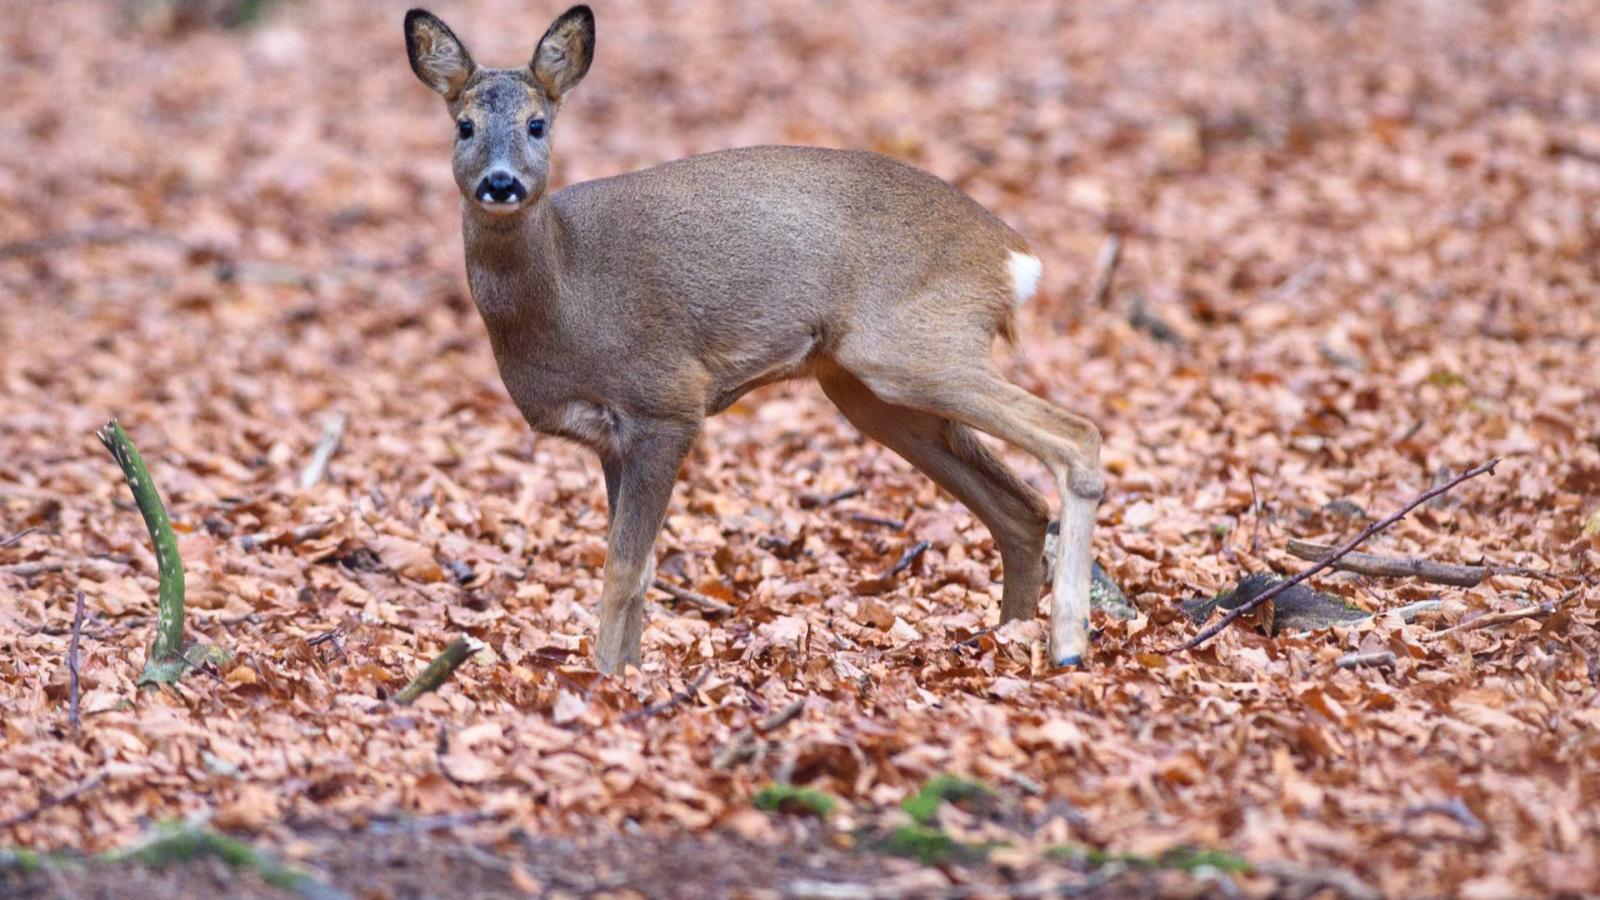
{"x":588,"y":423}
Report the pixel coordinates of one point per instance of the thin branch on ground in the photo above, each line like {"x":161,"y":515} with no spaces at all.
{"x":1255,"y":518}
{"x":1244,"y":608}
{"x":741,"y":748}
{"x":1504,"y":618}
{"x":37,"y":567}
{"x":1394,"y":566}
{"x":1410,"y":611}
{"x":677,"y":698}
{"x":49,"y":803}
{"x":99,"y":235}
{"x":693,"y":598}
{"x":1376,"y":659}
{"x":443,"y":666}
{"x":1105,"y":272}
{"x":16,"y":537}
{"x":298,"y":534}
{"x":907,"y":558}
{"x":812,"y":501}
{"x":1454,"y":808}
{"x":885,"y":521}
{"x":72,"y":664}
{"x":332,"y":434}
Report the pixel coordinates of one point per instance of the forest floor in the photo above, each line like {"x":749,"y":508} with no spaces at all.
{"x":1360,"y":251}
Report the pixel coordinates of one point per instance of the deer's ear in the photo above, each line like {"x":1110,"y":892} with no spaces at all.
{"x":438,"y":57}
{"x":564,"y":53}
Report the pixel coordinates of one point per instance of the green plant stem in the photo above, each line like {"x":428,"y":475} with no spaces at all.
{"x":168,"y":643}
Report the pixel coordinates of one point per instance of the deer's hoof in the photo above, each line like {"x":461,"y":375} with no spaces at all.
{"x":1065,"y":661}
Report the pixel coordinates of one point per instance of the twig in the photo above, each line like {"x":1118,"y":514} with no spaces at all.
{"x":332,"y":433}
{"x":885,"y":521}
{"x":907,"y":558}
{"x":1394,"y":566}
{"x":1105,"y":271}
{"x":1357,"y":660}
{"x":693,"y":598}
{"x":1243,"y":608}
{"x":28,"y":815}
{"x":308,"y":532}
{"x":1410,"y":611}
{"x":1456,"y":809}
{"x":325,"y":637}
{"x":1255,"y":518}
{"x":1306,"y":881}
{"x":33,"y":568}
{"x":742,"y":747}
{"x":17,"y":537}
{"x":670,"y":702}
{"x":443,"y":666}
{"x":973,"y":641}
{"x":97,"y":235}
{"x":811,"y":501}
{"x":1503,"y":618}
{"x":72,"y":663}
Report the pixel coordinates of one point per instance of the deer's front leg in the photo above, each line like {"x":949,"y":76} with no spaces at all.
{"x":639,"y":484}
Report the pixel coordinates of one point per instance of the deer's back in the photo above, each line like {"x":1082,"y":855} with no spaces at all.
{"x":757,"y":256}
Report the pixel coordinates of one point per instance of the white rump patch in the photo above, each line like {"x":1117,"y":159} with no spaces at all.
{"x":1025,"y":269}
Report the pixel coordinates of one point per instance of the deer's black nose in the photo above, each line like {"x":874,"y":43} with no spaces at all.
{"x":501,"y":187}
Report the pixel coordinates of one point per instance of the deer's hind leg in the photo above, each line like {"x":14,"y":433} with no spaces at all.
{"x":950,"y":454}
{"x":947,"y":372}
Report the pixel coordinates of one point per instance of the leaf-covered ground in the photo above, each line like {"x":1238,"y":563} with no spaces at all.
{"x":1361,"y":250}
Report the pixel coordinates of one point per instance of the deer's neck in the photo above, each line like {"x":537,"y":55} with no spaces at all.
{"x":515,"y":263}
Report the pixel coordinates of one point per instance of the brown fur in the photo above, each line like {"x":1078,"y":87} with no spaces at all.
{"x":623,"y":311}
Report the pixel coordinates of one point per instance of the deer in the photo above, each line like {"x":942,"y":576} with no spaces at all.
{"x":624,"y":311}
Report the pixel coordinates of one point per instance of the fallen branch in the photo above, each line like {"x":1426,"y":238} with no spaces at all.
{"x":332,"y":433}
{"x":169,"y":658}
{"x":1394,"y":566}
{"x":442,"y":667}
{"x":693,"y":598}
{"x":1454,"y":808}
{"x":1105,"y":271}
{"x":49,"y":803}
{"x":1234,"y":614}
{"x":885,"y":521}
{"x":907,"y":558}
{"x":742,"y":747}
{"x":100,"y":235}
{"x":677,"y":698}
{"x":1503,"y":618}
{"x":72,"y":663}
{"x":812,"y":501}
{"x":33,"y":568}
{"x":17,"y":537}
{"x":1376,"y":658}
{"x":1410,"y":611}
{"x":309,"y":532}
{"x":1295,"y":880}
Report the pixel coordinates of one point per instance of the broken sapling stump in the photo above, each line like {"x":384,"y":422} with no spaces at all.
{"x":1297,"y":608}
{"x":442,"y":667}
{"x":169,"y":657}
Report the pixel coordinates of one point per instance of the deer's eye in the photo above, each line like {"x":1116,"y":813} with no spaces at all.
{"x":536,"y":128}
{"x":464,"y":129}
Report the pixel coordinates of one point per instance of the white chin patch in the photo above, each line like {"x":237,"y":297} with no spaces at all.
{"x":1024,"y":269}
{"x":496,"y":206}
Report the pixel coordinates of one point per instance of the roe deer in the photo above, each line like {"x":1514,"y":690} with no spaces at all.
{"x":623,"y":311}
